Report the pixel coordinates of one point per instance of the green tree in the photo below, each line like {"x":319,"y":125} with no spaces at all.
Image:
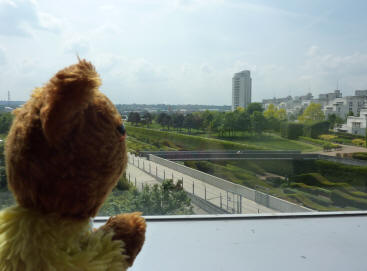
{"x":198,"y":121}
{"x":242,"y":121}
{"x":258,"y":122}
{"x":134,"y":117}
{"x":189,"y":122}
{"x":270,"y":112}
{"x":312,"y":113}
{"x":207,"y":120}
{"x":177,"y":121}
{"x":6,"y":120}
{"x":217,"y":123}
{"x":165,"y":120}
{"x":281,"y":114}
{"x":229,"y":122}
{"x":253,"y":107}
{"x":147,"y":118}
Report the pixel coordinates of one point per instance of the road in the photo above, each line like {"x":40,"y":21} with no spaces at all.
{"x":214,"y":195}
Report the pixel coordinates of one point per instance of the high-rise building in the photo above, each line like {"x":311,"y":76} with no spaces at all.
{"x":241,"y":89}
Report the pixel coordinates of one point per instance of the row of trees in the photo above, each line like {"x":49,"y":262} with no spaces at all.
{"x":252,"y":119}
{"x":226,"y":123}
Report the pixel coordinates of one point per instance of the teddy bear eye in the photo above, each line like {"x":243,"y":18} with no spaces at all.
{"x":121,"y":129}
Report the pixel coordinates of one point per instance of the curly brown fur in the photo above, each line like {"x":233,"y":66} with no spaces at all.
{"x":129,"y":228}
{"x":63,"y":152}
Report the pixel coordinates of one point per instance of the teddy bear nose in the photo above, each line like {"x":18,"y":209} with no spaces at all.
{"x":122,"y":129}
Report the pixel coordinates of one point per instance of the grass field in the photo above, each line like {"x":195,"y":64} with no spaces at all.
{"x":265,"y":141}
{"x":273,"y":142}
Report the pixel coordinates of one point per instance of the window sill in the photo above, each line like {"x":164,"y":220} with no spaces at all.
{"x":301,"y":241}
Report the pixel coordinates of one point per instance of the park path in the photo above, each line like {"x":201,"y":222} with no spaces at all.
{"x":220,"y":198}
{"x":139,"y":178}
{"x":345,"y":149}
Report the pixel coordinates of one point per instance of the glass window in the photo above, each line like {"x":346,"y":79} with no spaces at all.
{"x":223,"y":101}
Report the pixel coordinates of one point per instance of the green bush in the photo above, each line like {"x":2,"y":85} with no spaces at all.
{"x":274,"y":181}
{"x":347,"y":135}
{"x":314,"y":179}
{"x":314,"y":190}
{"x":352,"y":191}
{"x":291,"y":130}
{"x":343,"y":199}
{"x":340,"y":173}
{"x":123,"y":183}
{"x":360,"y":155}
{"x":316,"y":129}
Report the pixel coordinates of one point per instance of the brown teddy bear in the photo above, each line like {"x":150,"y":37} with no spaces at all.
{"x":64,"y":154}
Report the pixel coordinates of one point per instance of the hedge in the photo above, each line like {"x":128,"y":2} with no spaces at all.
{"x":314,"y":190}
{"x":291,"y":130}
{"x":346,"y":135}
{"x":314,"y":130}
{"x":360,"y":155}
{"x":313,"y":178}
{"x":343,"y":199}
{"x":336,"y":172}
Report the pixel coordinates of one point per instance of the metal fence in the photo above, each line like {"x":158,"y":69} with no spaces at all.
{"x":220,"y":200}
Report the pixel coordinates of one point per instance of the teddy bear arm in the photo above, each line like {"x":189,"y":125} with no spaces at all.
{"x":129,"y":228}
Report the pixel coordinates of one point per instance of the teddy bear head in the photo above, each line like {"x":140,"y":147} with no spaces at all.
{"x":65,"y":151}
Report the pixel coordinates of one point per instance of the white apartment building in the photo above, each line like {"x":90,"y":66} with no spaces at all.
{"x":241,"y":89}
{"x":342,"y":107}
{"x":356,"y":125}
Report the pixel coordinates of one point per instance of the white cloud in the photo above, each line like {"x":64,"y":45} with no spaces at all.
{"x":78,"y":46}
{"x":3,"y":60}
{"x":19,"y":17}
{"x":313,"y":51}
{"x":206,"y":68}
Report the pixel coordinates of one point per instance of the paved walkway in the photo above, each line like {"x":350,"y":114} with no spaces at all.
{"x":139,"y":178}
{"x":231,"y":202}
{"x":345,"y":149}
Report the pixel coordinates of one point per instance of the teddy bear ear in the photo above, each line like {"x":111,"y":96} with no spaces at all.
{"x":67,"y":95}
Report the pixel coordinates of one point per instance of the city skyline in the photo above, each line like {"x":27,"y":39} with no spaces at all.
{"x":186,"y":52}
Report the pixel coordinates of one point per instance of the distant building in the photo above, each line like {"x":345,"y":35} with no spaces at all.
{"x":356,"y":125}
{"x":361,"y":93}
{"x":330,"y":96}
{"x":241,"y":89}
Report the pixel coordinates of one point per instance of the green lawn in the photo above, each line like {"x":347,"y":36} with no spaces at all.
{"x":269,"y":141}
{"x":273,"y":142}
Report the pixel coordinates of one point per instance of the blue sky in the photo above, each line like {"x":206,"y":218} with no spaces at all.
{"x":180,"y":52}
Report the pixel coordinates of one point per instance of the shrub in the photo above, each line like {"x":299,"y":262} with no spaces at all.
{"x":360,"y":155}
{"x":343,"y":199}
{"x":327,"y":146}
{"x":274,"y":181}
{"x":291,"y":130}
{"x":347,"y":135}
{"x":358,"y":142}
{"x":314,"y":179}
{"x":123,"y":183}
{"x":314,"y":190}
{"x":340,"y":173}
{"x":327,"y":137}
{"x":314,"y":130}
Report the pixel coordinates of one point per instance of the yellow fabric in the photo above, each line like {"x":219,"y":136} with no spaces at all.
{"x":31,"y":241}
